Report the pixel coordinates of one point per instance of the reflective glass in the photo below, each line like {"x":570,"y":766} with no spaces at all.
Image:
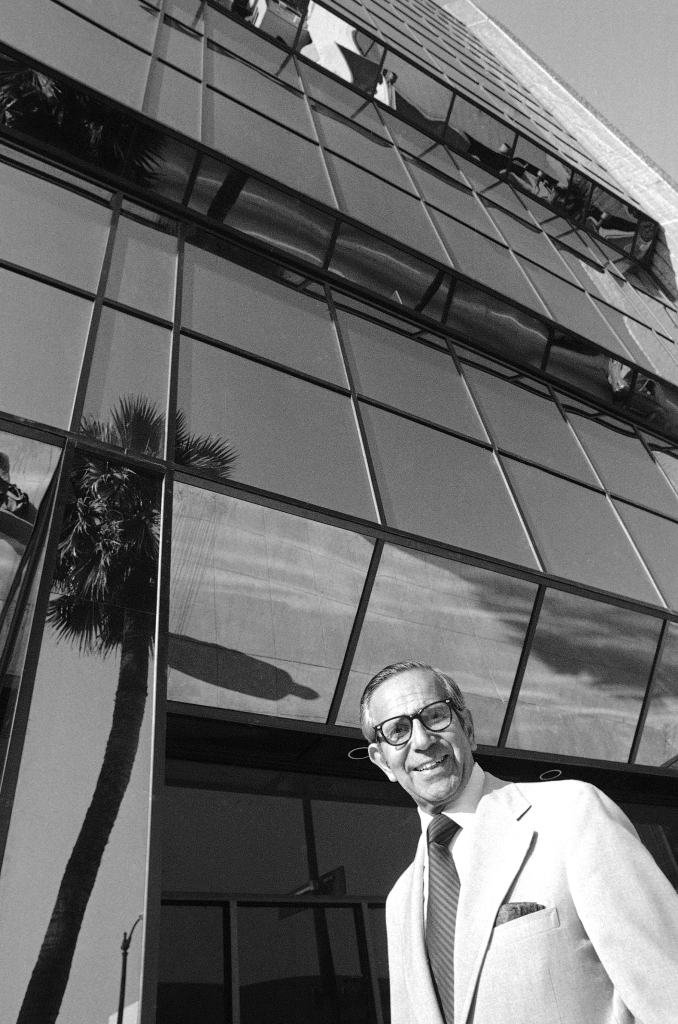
{"x":625,"y":467}
{"x":288,"y":435}
{"x":191,"y":964}
{"x":429,"y":481}
{"x":143,"y":268}
{"x":261,"y":606}
{"x":590,"y":369}
{"x":264,"y":145}
{"x":174,"y":99}
{"x":180,"y":45}
{"x":337,"y":96}
{"x":537,"y":171}
{"x":135,"y":22}
{"x":412,"y":377}
{"x":486,"y":261}
{"x":464,"y":620}
{"x":173,"y":169}
{"x":527,"y":422}
{"x":531,"y":243}
{"x":585,"y":679}
{"x":659,"y":740}
{"x":411,"y":140}
{"x":458,"y":202}
{"x":414,"y":95}
{"x":479,"y":135}
{"x":611,"y":219}
{"x":496,"y":326}
{"x":50,"y":229}
{"x":127,"y":390}
{"x":374,"y":202}
{"x":346,"y":51}
{"x":235,"y":305}
{"x":371,"y":151}
{"x":45,"y":331}
{"x":577,"y":533}
{"x":657,"y":540}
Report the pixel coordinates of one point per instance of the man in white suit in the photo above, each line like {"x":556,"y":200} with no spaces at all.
{"x":563,"y":916}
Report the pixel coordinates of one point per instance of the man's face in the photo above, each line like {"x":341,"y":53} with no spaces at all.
{"x":433,"y":767}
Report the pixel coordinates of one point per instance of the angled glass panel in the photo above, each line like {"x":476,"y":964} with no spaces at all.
{"x":611,"y":219}
{"x":172,"y":169}
{"x":624,"y":465}
{"x":51,"y":230}
{"x":174,"y":99}
{"x":371,"y":151}
{"x":233,"y":304}
{"x":531,"y":243}
{"x":537,"y":171}
{"x":657,"y":540}
{"x":414,"y":95}
{"x":659,"y":739}
{"x":287,"y":435}
{"x":45,"y":330}
{"x":143,"y":268}
{"x":337,"y":96}
{"x":527,"y":422}
{"x":463,"y":620}
{"x":191,"y":962}
{"x":412,"y":377}
{"x":578,"y":534}
{"x":585,"y":679}
{"x":261,"y":606}
{"x":410,"y":140}
{"x":344,"y":50}
{"x":127,"y":390}
{"x":647,"y":232}
{"x":250,"y":46}
{"x":590,"y":369}
{"x":495,"y":326}
{"x":482,"y":137}
{"x":429,"y":482}
{"x":458,"y":202}
{"x":180,"y":45}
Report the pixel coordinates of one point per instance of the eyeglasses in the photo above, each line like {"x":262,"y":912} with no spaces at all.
{"x":436,"y":717}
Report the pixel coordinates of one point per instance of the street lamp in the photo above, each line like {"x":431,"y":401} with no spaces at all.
{"x":126,"y":942}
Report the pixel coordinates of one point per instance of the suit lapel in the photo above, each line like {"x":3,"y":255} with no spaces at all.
{"x":498,"y":848}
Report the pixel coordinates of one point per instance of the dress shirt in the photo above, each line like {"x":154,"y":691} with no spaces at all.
{"x":462,"y":810}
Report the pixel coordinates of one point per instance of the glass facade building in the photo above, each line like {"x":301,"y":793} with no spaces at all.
{"x":326,"y":345}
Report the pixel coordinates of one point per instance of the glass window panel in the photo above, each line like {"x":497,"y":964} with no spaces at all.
{"x":51,"y":230}
{"x":537,"y":171}
{"x":411,"y":140}
{"x":338,"y":97}
{"x":611,"y":219}
{"x":577,"y":533}
{"x":272,"y":97}
{"x":136,"y":22}
{"x":413,"y":95}
{"x":495,"y":326}
{"x":409,"y":376}
{"x":585,"y":679}
{"x":590,"y":369}
{"x":659,"y":740}
{"x":370,"y":151}
{"x":265,"y":146}
{"x":429,"y":481}
{"x":625,"y":467}
{"x":45,"y":333}
{"x":235,"y":305}
{"x":180,"y":46}
{"x":532,"y":243}
{"x":143,"y":268}
{"x":173,"y":170}
{"x":346,"y":51}
{"x":462,"y":619}
{"x":657,"y":541}
{"x":241,"y":40}
{"x":479,"y":135}
{"x":528,"y":423}
{"x":458,"y":202}
{"x":191,"y":967}
{"x":128,"y":381}
{"x":486,"y":261}
{"x":572,"y":202}
{"x":396,"y":275}
{"x":174,"y":99}
{"x":262,"y":605}
{"x":289,"y":436}
{"x":647,"y":232}
{"x":374,"y":202}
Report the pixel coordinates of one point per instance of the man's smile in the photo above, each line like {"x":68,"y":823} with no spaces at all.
{"x":430,"y":765}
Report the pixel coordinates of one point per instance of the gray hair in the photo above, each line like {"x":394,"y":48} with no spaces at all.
{"x":447,"y":682}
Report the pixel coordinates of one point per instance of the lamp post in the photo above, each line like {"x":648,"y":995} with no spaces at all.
{"x":126,"y":942}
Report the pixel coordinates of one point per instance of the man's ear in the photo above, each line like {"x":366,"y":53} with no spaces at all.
{"x":376,"y":756}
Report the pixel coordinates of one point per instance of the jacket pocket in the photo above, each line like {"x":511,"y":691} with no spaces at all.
{"x":526,"y":926}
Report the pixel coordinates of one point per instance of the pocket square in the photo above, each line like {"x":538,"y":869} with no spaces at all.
{"x":510,"y":911}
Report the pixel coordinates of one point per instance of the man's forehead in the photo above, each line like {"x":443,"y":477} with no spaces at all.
{"x":404,"y":692}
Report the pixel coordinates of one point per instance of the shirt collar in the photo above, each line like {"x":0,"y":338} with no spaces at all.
{"x":464,"y":806}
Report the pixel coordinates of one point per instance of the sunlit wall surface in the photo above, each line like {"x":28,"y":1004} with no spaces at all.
{"x":325,"y":346}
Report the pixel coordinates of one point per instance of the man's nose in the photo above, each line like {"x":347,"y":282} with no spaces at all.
{"x":421,"y":737}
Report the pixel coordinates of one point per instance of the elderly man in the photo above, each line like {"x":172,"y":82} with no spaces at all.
{"x":525,"y":904}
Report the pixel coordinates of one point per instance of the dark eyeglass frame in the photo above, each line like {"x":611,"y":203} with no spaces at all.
{"x":449,"y":701}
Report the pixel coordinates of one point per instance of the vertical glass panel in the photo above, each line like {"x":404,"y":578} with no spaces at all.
{"x":262,"y":605}
{"x":495,"y":326}
{"x":235,"y":305}
{"x":413,"y":95}
{"x":171,"y":175}
{"x":346,"y":51}
{"x":89,"y":733}
{"x":585,"y":680}
{"x":537,"y":171}
{"x":464,"y":620}
{"x":409,"y":376}
{"x":528,"y":423}
{"x":143,"y":268}
{"x":458,"y":202}
{"x":611,"y":219}
{"x":127,"y":391}
{"x":533,"y":243}
{"x":181,"y":46}
{"x":479,"y":135}
{"x":336,"y":96}
{"x":361,"y":145}
{"x":657,"y":540}
{"x":429,"y":482}
{"x":45,"y":330}
{"x":659,"y":740}
{"x":50,"y":229}
{"x":300,"y":966}
{"x":624,"y":465}
{"x":578,"y":535}
{"x":191,"y":969}
{"x":174,"y":99}
{"x":589,"y":368}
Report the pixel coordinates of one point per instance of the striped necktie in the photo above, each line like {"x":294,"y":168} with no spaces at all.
{"x":441,"y":914}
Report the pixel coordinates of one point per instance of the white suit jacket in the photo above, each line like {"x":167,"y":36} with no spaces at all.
{"x":603,"y":951}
